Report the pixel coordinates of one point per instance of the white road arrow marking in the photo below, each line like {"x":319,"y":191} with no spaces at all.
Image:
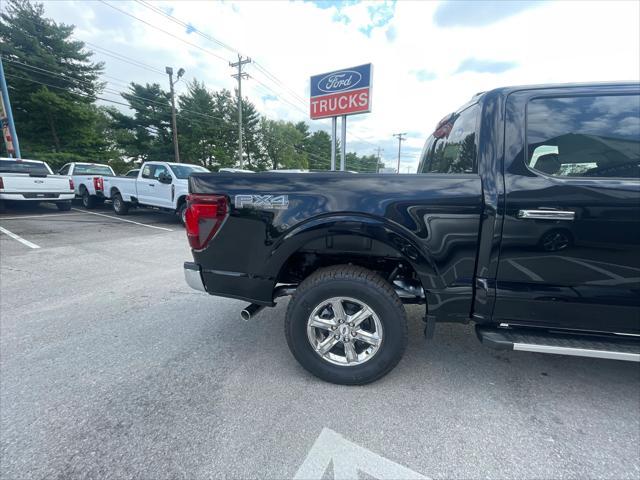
{"x":349,"y":459}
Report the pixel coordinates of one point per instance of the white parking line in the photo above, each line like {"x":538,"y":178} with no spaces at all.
{"x":37,"y":216}
{"x":19,"y":238}
{"x":124,"y":220}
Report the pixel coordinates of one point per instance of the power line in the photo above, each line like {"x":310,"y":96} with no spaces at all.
{"x":262,"y":69}
{"x":142,"y":65}
{"x":277,"y":96}
{"x":164,"y":31}
{"x":106,"y":51}
{"x":187,"y":25}
{"x":124,"y":58}
{"x":283,"y":143}
{"x":277,"y":81}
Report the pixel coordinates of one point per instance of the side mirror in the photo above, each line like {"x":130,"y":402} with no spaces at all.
{"x":165,"y":178}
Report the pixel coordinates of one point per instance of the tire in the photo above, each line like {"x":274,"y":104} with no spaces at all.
{"x":351,"y":287}
{"x":120,"y":207}
{"x":88,"y":201}
{"x":64,"y":206}
{"x":181,"y":212}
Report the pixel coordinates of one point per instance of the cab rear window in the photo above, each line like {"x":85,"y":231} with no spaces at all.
{"x":93,"y":170}
{"x":23,"y":166}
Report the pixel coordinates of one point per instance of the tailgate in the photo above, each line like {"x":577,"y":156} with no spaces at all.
{"x":23,"y":183}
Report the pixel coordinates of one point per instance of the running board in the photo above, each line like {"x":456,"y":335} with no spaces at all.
{"x":613,"y":347}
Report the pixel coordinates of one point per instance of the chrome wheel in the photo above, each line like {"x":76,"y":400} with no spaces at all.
{"x":344,"y":331}
{"x":117,"y":203}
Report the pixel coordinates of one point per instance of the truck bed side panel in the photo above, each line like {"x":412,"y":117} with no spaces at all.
{"x":432,"y":220}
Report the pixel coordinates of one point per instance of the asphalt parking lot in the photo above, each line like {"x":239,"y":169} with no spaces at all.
{"x":112,"y":367}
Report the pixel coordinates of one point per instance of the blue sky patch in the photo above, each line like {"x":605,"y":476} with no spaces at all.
{"x":341,"y":18}
{"x":423,"y":75}
{"x":325,"y":4}
{"x":478,"y":13}
{"x":391,"y":33}
{"x":485,"y":66}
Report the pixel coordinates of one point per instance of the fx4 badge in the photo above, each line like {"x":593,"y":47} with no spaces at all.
{"x":272,"y":202}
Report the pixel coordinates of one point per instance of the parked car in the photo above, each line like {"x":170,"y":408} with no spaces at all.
{"x":88,"y":179}
{"x":33,"y":181}
{"x":466,"y":236}
{"x":161,"y":185}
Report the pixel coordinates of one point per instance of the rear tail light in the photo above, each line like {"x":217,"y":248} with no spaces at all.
{"x":97,"y":183}
{"x":205,"y":215}
{"x":1,"y":183}
{"x":71,"y":185}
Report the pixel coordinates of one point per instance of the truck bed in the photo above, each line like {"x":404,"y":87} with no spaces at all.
{"x":431,"y":221}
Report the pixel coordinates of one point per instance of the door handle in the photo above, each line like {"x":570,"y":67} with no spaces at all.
{"x":152,"y":184}
{"x":547,"y":214}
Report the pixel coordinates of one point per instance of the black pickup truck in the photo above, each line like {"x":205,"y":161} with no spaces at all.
{"x":524,"y":218}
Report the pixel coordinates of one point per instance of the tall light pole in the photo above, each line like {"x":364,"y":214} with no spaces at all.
{"x":176,"y":150}
{"x":400,"y":137}
{"x":239,"y":76}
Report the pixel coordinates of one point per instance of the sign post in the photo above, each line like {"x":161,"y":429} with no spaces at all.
{"x":334,"y":127}
{"x":6,"y":119}
{"x":343,"y":142}
{"x":338,"y":94}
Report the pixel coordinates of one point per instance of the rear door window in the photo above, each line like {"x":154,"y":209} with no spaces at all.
{"x":159,"y":170}
{"x":585,"y":136}
{"x":452,"y":148}
{"x":147,"y":171}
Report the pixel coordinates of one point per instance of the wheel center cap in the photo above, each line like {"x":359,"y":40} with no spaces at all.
{"x":344,"y":330}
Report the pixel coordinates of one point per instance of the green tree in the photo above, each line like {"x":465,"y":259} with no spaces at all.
{"x":197,"y":125}
{"x":59,"y":119}
{"x":318,"y":147}
{"x":281,"y":142}
{"x":147,"y":135}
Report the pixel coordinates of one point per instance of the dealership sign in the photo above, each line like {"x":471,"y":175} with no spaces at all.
{"x":342,"y":92}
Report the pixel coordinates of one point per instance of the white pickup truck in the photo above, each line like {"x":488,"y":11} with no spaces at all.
{"x":88,"y":179}
{"x":162,"y":185}
{"x":33,"y":181}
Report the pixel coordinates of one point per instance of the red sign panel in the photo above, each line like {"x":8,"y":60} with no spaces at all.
{"x":342,"y":103}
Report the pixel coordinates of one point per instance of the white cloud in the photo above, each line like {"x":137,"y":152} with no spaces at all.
{"x":553,"y":42}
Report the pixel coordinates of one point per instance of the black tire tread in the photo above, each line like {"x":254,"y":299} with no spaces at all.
{"x":357,"y":274}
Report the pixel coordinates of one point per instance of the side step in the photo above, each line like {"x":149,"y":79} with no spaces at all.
{"x":561,"y":343}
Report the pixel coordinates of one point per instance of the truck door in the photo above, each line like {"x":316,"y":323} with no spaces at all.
{"x":570,"y":252}
{"x":146,"y":183}
{"x":160,"y":193}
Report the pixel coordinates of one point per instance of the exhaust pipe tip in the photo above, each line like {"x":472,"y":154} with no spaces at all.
{"x":250,"y":311}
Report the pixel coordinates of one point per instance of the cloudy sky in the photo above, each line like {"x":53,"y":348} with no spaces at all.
{"x":429,"y":57}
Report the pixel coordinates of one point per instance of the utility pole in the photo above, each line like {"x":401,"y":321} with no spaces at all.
{"x":239,"y":76}
{"x":400,"y":137}
{"x":176,"y":150}
{"x":378,"y":150}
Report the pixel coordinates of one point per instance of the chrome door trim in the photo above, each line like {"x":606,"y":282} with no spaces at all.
{"x":547,"y":214}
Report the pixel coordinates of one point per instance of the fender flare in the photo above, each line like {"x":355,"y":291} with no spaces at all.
{"x":372,"y":227}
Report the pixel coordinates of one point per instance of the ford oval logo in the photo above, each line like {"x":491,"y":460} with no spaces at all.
{"x":339,"y":81}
